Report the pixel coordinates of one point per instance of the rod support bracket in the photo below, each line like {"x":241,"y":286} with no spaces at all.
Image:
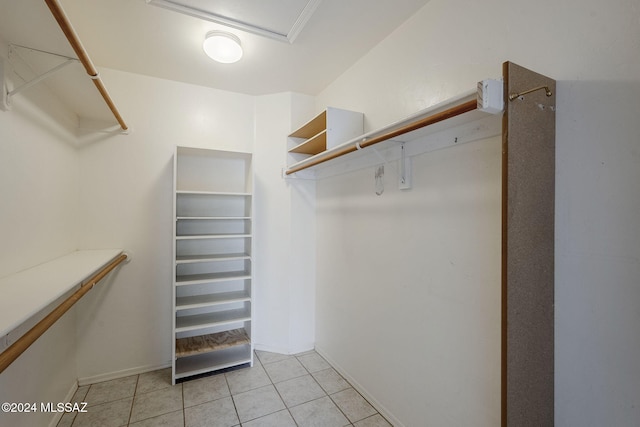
{"x":547,"y":92}
{"x":5,"y":99}
{"x":404,"y":176}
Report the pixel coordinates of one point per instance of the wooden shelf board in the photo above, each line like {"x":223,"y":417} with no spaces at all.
{"x":208,"y":300}
{"x":314,"y":145}
{"x":211,"y":342}
{"x":312,"y":127}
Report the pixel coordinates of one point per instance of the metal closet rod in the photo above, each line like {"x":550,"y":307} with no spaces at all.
{"x":424,"y":122}
{"x":24,"y":342}
{"x":67,"y":29}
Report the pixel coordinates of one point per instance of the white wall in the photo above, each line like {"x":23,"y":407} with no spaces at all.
{"x":126,"y":194}
{"x":591,"y":48}
{"x":284,"y":231}
{"x":102,"y":190}
{"x":39,"y":177}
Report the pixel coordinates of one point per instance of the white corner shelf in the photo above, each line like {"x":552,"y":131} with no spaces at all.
{"x":328,"y":129}
{"x":213,"y":246}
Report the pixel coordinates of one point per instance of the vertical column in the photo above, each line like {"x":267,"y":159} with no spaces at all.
{"x":528,"y":195}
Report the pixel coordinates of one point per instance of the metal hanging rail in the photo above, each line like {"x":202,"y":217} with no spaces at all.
{"x":339,"y":151}
{"x":60,"y":16}
{"x":24,"y":342}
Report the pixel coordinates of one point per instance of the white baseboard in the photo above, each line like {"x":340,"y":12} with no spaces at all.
{"x":121,"y":374}
{"x":372,"y":400}
{"x":281,"y":350}
{"x":57,"y":416}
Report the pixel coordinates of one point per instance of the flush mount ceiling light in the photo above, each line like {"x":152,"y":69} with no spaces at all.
{"x":222,"y":47}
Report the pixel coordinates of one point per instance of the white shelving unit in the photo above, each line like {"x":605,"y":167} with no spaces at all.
{"x":325,"y":131}
{"x":212,"y":280}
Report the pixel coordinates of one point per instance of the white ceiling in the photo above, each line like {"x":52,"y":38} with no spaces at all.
{"x":133,"y":36}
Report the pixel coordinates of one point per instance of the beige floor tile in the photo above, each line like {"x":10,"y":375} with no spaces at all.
{"x":66,"y":420}
{"x":109,"y":391}
{"x":152,"y":381}
{"x":268,"y":357}
{"x":321,"y":412}
{"x":353,"y":405}
{"x":279,"y":419}
{"x":204,"y":390}
{"x":155,"y":403}
{"x":110,"y":414}
{"x":313,"y":362}
{"x":331,"y":381}
{"x":81,"y":394}
{"x":219,"y":413}
{"x":374,"y":421}
{"x":247,"y":379}
{"x":285,"y":370}
{"x":314,"y":393}
{"x":257,"y":403}
{"x":172,"y":419}
{"x":299,"y":390}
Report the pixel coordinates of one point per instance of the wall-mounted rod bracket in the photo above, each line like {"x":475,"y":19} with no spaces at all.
{"x":4,"y":92}
{"x":547,"y":91}
{"x":404,"y":176}
{"x":42,"y":77}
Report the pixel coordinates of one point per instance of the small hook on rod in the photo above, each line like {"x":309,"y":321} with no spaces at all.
{"x":547,"y":91}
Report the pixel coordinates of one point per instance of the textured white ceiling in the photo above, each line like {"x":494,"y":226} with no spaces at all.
{"x":278,"y":17}
{"x":133,"y":36}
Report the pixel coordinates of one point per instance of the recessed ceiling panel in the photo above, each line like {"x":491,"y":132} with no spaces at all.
{"x":281,"y":20}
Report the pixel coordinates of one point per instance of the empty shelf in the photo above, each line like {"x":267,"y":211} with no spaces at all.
{"x":186,"y":259}
{"x":208,"y":300}
{"x":207,"y":320}
{"x":193,"y":279}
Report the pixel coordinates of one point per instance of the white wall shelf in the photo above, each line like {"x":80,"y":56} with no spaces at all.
{"x":212,"y":292}
{"x":27,"y":293}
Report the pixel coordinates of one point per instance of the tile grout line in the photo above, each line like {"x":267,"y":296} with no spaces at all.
{"x":133,"y":399}
{"x":184,"y":412}
{"x":226,"y":380}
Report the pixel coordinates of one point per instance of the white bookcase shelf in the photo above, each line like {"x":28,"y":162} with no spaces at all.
{"x":212,"y":292}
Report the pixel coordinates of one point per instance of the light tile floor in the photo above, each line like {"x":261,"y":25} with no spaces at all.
{"x":278,"y":391}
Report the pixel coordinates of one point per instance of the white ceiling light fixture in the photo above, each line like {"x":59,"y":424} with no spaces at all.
{"x":222,"y":47}
{"x":284,"y":22}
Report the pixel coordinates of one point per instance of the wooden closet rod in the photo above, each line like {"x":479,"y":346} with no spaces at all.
{"x":24,"y":342}
{"x":67,"y":29}
{"x":425,"y":121}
